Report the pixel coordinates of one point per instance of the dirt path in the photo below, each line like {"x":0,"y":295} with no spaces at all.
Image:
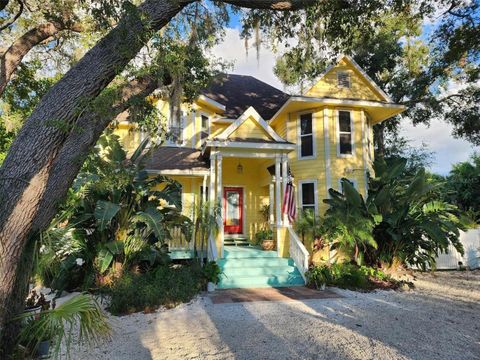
{"x":439,"y":320}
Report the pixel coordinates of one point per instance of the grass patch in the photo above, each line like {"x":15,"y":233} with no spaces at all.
{"x":166,"y":286}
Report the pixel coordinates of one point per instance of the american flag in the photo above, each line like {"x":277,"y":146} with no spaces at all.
{"x":289,"y":206}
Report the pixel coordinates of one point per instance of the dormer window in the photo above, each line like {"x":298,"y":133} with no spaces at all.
{"x":343,"y":79}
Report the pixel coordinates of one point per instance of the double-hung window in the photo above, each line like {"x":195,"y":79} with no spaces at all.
{"x":204,"y":128}
{"x":306,"y":138}
{"x":345,"y":133}
{"x":308,"y":198}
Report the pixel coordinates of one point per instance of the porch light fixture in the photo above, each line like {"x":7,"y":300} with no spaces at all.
{"x":239,"y":168}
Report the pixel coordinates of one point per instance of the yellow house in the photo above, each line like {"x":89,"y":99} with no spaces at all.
{"x":241,"y":142}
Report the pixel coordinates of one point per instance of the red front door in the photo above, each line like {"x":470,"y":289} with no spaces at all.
{"x":233,"y":210}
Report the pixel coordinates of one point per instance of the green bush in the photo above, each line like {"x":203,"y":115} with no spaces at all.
{"x":166,"y":286}
{"x":347,"y":276}
{"x":212,"y":272}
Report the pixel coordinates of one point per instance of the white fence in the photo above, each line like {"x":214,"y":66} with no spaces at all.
{"x":471,"y":257}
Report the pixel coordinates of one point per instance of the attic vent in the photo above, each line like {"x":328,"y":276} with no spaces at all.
{"x":343,"y":79}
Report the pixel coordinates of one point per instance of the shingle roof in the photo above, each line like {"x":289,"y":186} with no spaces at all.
{"x":239,"y":92}
{"x":176,"y":158}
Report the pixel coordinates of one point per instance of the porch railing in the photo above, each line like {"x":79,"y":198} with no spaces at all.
{"x":178,"y":240}
{"x":298,"y":252}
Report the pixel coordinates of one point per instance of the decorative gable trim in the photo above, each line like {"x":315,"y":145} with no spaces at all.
{"x":358,"y":68}
{"x":250,"y":113}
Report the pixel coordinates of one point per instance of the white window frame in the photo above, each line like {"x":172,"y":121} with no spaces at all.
{"x":353,"y":181}
{"x":352,"y":132}
{"x":182,"y":132}
{"x":299,"y":137}
{"x":209,"y":117}
{"x":300,"y":194}
{"x":340,"y":72}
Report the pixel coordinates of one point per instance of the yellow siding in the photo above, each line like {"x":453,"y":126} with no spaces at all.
{"x":360,"y":88}
{"x":250,"y":129}
{"x":130,"y":138}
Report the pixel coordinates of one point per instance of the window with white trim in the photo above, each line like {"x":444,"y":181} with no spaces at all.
{"x":175,"y":128}
{"x":204,"y":127}
{"x":308,"y":199}
{"x":307,"y":140}
{"x":343,"y":79}
{"x":345,"y":138}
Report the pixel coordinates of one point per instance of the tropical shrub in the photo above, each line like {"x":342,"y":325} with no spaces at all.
{"x":166,"y":286}
{"x":212,"y":272}
{"x":309,"y":226}
{"x":402,"y":220}
{"x":116,"y":218}
{"x":349,"y":276}
{"x":57,"y":325}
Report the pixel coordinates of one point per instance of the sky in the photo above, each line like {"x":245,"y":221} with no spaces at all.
{"x":438,"y":137}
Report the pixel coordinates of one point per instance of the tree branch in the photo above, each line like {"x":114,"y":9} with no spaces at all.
{"x":14,"y":55}
{"x":17,"y":15}
{"x":277,"y":5}
{"x":3,"y":4}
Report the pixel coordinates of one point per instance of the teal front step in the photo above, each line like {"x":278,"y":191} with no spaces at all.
{"x":236,"y":242}
{"x":247,"y":267}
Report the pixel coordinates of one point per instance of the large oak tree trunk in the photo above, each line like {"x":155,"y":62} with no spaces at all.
{"x":49,"y":149}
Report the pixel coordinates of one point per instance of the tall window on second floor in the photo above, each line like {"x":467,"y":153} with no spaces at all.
{"x":306,"y":140}
{"x":345,"y":136}
{"x":204,"y":128}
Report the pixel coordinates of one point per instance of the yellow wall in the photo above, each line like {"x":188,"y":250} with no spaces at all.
{"x":315,"y":169}
{"x":360,"y":89}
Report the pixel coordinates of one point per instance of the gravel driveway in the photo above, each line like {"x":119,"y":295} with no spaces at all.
{"x":438,"y":320}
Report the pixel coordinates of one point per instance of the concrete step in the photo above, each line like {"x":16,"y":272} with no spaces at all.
{"x":242,"y":253}
{"x":260,"y":271}
{"x":254,"y":262}
{"x":260,"y":281}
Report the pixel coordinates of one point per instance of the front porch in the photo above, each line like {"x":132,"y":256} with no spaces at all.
{"x":249,"y":197}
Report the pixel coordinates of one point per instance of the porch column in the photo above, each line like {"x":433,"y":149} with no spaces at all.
{"x":219,"y":199}
{"x":278,"y":198}
{"x":284,"y":183}
{"x":212,"y":247}
{"x":271,"y":218}
{"x":278,"y":210}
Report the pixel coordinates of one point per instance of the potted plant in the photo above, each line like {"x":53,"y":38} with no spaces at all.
{"x":212,"y":273}
{"x":34,"y":304}
{"x":268,"y":243}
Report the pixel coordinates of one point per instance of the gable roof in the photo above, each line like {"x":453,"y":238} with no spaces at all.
{"x":250,"y":113}
{"x":239,"y":92}
{"x":357,"y":67}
